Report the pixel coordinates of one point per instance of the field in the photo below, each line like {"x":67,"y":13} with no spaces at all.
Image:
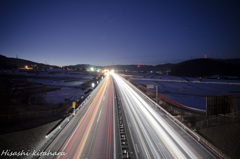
{"x":39,"y":94}
{"x":222,"y":131}
{"x":189,"y":92}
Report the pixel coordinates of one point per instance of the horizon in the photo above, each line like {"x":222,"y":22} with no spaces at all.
{"x":120,"y":64}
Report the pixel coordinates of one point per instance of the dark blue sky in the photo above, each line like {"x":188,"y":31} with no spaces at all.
{"x":119,"y":31}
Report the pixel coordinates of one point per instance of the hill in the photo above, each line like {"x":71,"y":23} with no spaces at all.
{"x":6,"y":63}
{"x":207,"y":67}
{"x":14,"y":63}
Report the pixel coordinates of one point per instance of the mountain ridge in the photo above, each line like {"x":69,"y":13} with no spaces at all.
{"x":207,"y":67}
{"x":189,"y":68}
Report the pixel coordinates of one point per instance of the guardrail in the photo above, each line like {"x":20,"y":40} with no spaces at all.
{"x":196,"y":136}
{"x":61,"y":125}
{"x":171,"y":102}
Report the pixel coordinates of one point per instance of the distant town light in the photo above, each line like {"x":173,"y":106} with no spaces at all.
{"x":27,"y":67}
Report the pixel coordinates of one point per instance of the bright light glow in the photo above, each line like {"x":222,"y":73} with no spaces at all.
{"x":27,"y":67}
{"x":106,"y":70}
{"x":93,"y":85}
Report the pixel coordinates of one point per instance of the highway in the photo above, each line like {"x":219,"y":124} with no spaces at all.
{"x":93,"y":132}
{"x":152,"y":133}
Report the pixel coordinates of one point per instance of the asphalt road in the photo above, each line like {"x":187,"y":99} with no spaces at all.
{"x":92,"y":132}
{"x":152,"y":133}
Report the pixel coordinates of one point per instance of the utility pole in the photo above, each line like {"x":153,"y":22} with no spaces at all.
{"x":151,"y":86}
{"x":157,"y":93}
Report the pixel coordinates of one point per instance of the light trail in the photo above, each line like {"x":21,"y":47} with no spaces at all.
{"x":94,"y":134}
{"x":154,"y":132}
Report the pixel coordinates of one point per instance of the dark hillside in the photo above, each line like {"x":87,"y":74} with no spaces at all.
{"x":6,"y":64}
{"x":14,"y":63}
{"x":206,"y":67}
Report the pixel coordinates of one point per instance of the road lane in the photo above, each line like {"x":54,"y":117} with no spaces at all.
{"x":94,"y":135}
{"x":152,"y":133}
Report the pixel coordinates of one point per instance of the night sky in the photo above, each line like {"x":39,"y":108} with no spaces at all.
{"x":66,"y":32}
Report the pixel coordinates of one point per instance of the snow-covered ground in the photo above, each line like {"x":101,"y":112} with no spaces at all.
{"x":26,"y":136}
{"x":190,"y":92}
{"x":65,"y":82}
{"x":60,"y":95}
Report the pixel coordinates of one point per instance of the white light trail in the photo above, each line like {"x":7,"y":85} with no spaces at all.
{"x":151,"y":127}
